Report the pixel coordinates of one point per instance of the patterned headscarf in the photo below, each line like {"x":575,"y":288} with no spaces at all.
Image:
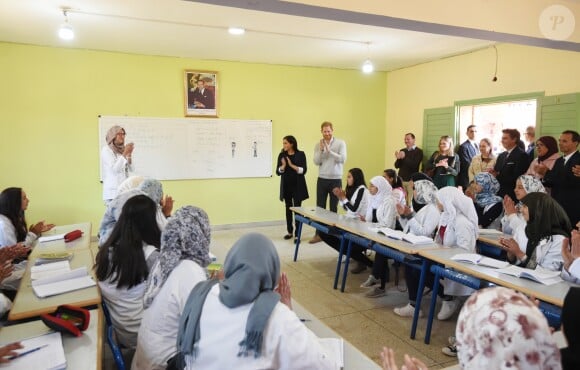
{"x":186,"y":237}
{"x":251,"y":268}
{"x":499,"y":328}
{"x":110,"y":138}
{"x":531,"y":184}
{"x":489,"y":188}
{"x":426,"y":192}
{"x":153,"y":188}
{"x":377,"y":200}
{"x":454,"y":201}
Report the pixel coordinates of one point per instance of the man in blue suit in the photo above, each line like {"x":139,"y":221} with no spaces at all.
{"x":466,"y":152}
{"x":561,"y":178}
{"x":510,"y":164}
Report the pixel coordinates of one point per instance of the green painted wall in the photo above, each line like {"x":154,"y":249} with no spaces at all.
{"x":51,"y":97}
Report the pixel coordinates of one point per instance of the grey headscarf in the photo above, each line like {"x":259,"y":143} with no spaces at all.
{"x":426,"y":192}
{"x":153,"y":188}
{"x":186,"y":237}
{"x":110,"y":139}
{"x":252,"y":268}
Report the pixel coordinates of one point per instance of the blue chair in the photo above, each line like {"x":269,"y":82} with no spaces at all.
{"x":115,"y":349}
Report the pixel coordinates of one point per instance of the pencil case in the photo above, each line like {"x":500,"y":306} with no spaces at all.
{"x":68,"y":319}
{"x":73,"y":235}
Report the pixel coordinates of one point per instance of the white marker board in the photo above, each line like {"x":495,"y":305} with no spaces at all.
{"x":185,"y":148}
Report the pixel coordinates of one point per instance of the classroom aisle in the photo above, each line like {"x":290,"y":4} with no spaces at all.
{"x":366,"y":323}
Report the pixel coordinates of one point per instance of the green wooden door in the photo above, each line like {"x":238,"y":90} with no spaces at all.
{"x":558,"y":113}
{"x":436,"y":123}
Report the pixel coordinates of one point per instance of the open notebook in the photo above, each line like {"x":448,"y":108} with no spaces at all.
{"x":62,"y":282}
{"x":49,"y":354}
{"x":478,"y":259}
{"x":334,"y":347}
{"x":538,"y":275}
{"x":399,"y":235}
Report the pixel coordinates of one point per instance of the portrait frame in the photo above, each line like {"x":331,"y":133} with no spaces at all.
{"x":201,"y":93}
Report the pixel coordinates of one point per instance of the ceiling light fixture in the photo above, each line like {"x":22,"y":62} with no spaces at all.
{"x":236,"y":31}
{"x":66,"y":31}
{"x":368,"y":66}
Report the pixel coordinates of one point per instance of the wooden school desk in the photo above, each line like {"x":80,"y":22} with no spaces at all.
{"x":353,"y":358}
{"x":81,"y":352}
{"x":27,"y":305}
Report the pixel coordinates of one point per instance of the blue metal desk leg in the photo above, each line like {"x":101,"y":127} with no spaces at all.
{"x":298,"y":235}
{"x":339,"y":263}
{"x":419,"y":297}
{"x":432,"y":308}
{"x":345,"y":271}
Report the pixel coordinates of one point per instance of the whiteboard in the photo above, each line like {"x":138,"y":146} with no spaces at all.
{"x":185,"y":148}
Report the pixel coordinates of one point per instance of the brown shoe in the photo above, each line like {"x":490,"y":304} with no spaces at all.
{"x":315,"y":239}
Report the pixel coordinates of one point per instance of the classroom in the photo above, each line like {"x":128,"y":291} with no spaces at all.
{"x":54,"y":93}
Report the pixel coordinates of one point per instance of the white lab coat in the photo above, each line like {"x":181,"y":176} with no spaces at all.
{"x":114,"y":170}
{"x":424,"y":222}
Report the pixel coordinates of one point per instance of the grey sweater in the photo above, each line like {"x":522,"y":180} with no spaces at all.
{"x":331,"y":162}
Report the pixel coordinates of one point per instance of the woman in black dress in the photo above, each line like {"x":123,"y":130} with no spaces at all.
{"x":291,"y":166}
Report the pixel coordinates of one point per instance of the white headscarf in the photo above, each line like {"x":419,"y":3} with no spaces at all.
{"x":499,"y":328}
{"x":132,"y":182}
{"x":454,"y":201}
{"x":426,"y":192}
{"x":377,"y":200}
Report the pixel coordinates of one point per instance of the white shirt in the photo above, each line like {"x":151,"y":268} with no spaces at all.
{"x":573,"y":272}
{"x":114,"y":170}
{"x":126,"y":306}
{"x":157,"y":341}
{"x":424,"y":222}
{"x":8,"y":234}
{"x":287,"y":343}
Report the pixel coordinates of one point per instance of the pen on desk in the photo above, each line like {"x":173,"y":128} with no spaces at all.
{"x":27,"y":352}
{"x":304,"y":320}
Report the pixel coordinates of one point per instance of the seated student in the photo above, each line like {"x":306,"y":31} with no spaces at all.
{"x":498,"y":328}
{"x":571,"y":256}
{"x":13,"y":229}
{"x":7,"y":254}
{"x":382,"y":210}
{"x":242,"y":322}
{"x":423,"y":223}
{"x":416,"y":177}
{"x":183,"y":257}
{"x":123,"y":264}
{"x":547,"y":226}
{"x":458,"y":228}
{"x":570,"y":324}
{"x":396,"y":183}
{"x":150,"y":187}
{"x":512,"y":218}
{"x":358,"y":194}
{"x":488,"y":205}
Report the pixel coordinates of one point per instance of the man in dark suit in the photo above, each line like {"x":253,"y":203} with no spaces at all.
{"x":510,"y":164}
{"x":408,"y":161}
{"x":562,"y":179}
{"x":201,"y":97}
{"x":466,"y":152}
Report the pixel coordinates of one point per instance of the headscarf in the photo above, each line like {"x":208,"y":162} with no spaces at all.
{"x":531,"y":184}
{"x":552,"y":146}
{"x":416,"y":177}
{"x":186,"y":237}
{"x":499,"y":328}
{"x":132,"y":182}
{"x":454,"y":201}
{"x":377,"y":200}
{"x":426,"y":192}
{"x":571,"y":323}
{"x":111,"y":134}
{"x":546,"y":218}
{"x":153,"y":188}
{"x":251,"y":268}
{"x":489,"y":188}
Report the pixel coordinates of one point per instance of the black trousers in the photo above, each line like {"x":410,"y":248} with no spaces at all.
{"x":412,"y":277}
{"x":289,"y":201}
{"x":381,"y":269}
{"x":324,"y":189}
{"x":356,"y":253}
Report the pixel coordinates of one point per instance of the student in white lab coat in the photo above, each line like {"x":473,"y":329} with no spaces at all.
{"x":242,"y":322}
{"x":183,"y":257}
{"x":571,"y":256}
{"x":547,"y":227}
{"x":512,"y":219}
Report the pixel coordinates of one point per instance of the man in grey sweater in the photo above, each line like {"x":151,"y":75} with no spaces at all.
{"x":329,"y":155}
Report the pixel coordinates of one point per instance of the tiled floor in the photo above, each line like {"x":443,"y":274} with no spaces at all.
{"x":368,"y":324}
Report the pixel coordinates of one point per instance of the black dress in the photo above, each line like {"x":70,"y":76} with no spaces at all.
{"x":293,"y":188}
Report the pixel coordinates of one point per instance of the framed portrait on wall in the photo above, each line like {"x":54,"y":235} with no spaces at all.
{"x":201,"y":95}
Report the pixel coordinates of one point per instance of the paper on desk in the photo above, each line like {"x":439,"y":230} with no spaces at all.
{"x":489,"y":232}
{"x":50,"y":357}
{"x":334,"y":348}
{"x":49,"y":238}
{"x":63,"y":283}
{"x":49,"y":269}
